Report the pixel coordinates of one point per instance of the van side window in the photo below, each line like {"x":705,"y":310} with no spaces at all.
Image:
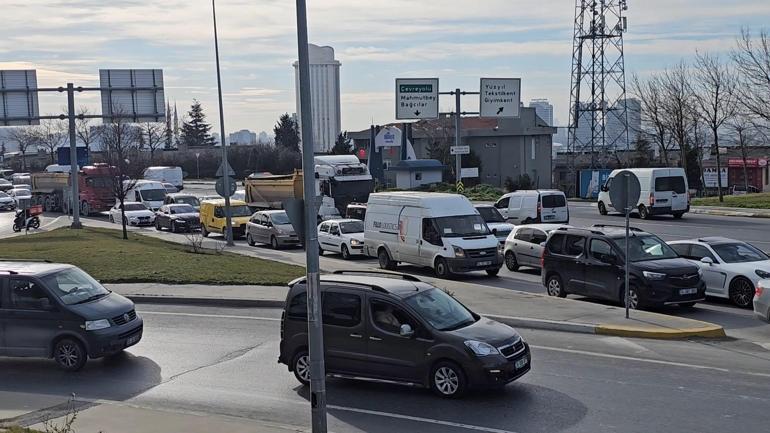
{"x":574,"y":245}
{"x":297,"y":307}
{"x":602,"y":251}
{"x":429,"y":232}
{"x":341,"y":309}
{"x":503,"y":203}
{"x":334,"y":230}
{"x":26,"y":295}
{"x":556,"y":244}
{"x":219,"y":212}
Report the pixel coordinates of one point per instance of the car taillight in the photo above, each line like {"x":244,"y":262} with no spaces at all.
{"x":542,"y":259}
{"x":539,"y":210}
{"x":652,"y":199}
{"x":760,"y":289}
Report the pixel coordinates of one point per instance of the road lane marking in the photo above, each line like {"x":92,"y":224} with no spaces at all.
{"x":420,"y":419}
{"x":647,"y":360}
{"x":216,"y":316}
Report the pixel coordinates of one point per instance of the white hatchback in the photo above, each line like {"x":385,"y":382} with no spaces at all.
{"x":343,"y":236}
{"x":137,"y":214}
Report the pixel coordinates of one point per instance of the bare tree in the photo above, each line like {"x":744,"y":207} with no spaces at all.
{"x":84,"y":130}
{"x":752,"y":61}
{"x":650,"y":93}
{"x":120,"y":141}
{"x":52,"y":134}
{"x":154,"y":137}
{"x":745,"y":133}
{"x":715,"y":87}
{"x":677,"y":103}
{"x":24,"y":137}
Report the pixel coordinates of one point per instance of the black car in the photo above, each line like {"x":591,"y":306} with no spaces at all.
{"x":177,"y":218}
{"x":57,"y":311}
{"x":591,"y":262}
{"x":394,"y":328}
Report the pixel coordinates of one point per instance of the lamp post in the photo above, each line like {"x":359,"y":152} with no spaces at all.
{"x":198,"y":164}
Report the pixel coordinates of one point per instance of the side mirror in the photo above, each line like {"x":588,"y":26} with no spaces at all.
{"x":707,"y":260}
{"x":406,"y":331}
{"x":542,"y":244}
{"x":494,"y":232}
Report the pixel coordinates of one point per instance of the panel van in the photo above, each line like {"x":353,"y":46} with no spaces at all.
{"x":534,"y":206}
{"x":441,"y":231}
{"x":664,"y":191}
{"x":149,"y":192}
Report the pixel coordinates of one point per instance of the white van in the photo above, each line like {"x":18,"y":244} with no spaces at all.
{"x":172,"y":175}
{"x":664,"y":191}
{"x":441,"y":231}
{"x":534,"y":206}
{"x":148,"y":192}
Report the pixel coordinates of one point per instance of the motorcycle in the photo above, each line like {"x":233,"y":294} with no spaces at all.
{"x":22,"y":221}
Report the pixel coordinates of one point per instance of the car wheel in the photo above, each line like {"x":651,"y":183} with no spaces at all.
{"x":510,"y":261}
{"x":273,"y":243}
{"x":554,"y":286}
{"x":442,"y":268}
{"x":493,"y":272}
{"x":16,"y":228}
{"x":678,"y":215}
{"x":250,"y":240}
{"x":112,"y":220}
{"x":602,"y":208}
{"x":157,"y":226}
{"x":85,"y":209}
{"x":643,"y":212}
{"x":635,"y":300}
{"x":345,"y":252}
{"x":741,"y":292}
{"x":383,"y":258}
{"x":204,"y":232}
{"x":70,"y":354}
{"x":448,"y":380}
{"x":301,"y":367}
{"x":35,"y":223}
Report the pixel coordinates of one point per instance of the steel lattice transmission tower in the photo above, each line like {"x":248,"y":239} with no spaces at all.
{"x":598,"y":92}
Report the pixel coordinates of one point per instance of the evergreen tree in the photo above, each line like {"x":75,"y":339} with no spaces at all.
{"x":196,"y":132}
{"x":169,"y":133}
{"x":643,"y":148}
{"x":343,"y":145}
{"x":287,"y":133}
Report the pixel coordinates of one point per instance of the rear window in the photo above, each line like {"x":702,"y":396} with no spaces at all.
{"x":297,"y":308}
{"x":552,"y":201}
{"x":670,"y":183}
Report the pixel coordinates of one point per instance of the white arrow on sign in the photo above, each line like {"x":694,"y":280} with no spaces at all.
{"x":500,"y":97}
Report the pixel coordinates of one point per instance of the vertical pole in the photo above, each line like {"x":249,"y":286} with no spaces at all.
{"x":225,"y":164}
{"x":627,"y":178}
{"x":314,"y":319}
{"x":75,"y":200}
{"x":458,"y":125}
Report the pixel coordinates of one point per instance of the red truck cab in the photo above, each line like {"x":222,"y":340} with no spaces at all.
{"x":95,"y":188}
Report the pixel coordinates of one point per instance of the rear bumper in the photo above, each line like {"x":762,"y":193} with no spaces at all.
{"x":762,"y":308}
{"x":666,"y":210}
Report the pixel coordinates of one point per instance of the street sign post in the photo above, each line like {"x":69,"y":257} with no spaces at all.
{"x":416,"y":98}
{"x":624,"y":195}
{"x":133,"y":94}
{"x":500,"y":97}
{"x":460,"y":150}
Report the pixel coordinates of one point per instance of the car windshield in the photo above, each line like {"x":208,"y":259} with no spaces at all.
{"x":153,"y":194}
{"x":646,"y":247}
{"x":240,"y":211}
{"x":99,"y":182}
{"x":739,"y":252}
{"x":192,"y":201}
{"x":22,"y":192}
{"x":74,"y":286}
{"x":135,"y":206}
{"x":491,"y":215}
{"x":440,"y":310}
{"x":280,"y":218}
{"x":462,"y":226}
{"x":3,"y":195}
{"x":352,"y":227}
{"x":182,"y":208}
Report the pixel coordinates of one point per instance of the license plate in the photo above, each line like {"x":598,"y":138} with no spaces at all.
{"x":481,"y":264}
{"x":688,"y":291}
{"x":521,"y":363}
{"x":548,"y":217}
{"x":132,"y":340}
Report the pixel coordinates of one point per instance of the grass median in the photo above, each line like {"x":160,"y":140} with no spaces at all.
{"x":748,"y":201}
{"x":142,"y":259}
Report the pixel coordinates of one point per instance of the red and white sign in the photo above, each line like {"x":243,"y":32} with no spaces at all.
{"x":750,"y":162}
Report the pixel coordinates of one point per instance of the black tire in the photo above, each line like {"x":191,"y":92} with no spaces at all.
{"x":204,"y":232}
{"x":157,"y":226}
{"x":636,"y":300}
{"x":510,"y":261}
{"x":300,"y":365}
{"x":602,"y":208}
{"x":493,"y":272}
{"x":555,"y":287}
{"x":643,"y":212}
{"x":448,"y":380}
{"x":441,"y":268}
{"x":250,"y":240}
{"x":320,"y":250}
{"x":384,"y":260}
{"x":85,"y":209}
{"x":35,"y":223}
{"x":16,"y":228}
{"x":70,"y":354}
{"x":274,"y":243}
{"x":678,"y":215}
{"x":742,"y":292}
{"x":345,"y":252}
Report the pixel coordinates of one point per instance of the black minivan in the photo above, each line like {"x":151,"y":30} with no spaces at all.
{"x":57,"y":311}
{"x":393,"y":328}
{"x":591,"y":262}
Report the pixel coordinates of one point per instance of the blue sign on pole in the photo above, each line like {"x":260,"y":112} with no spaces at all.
{"x":591,"y":181}
{"x":63,"y":156}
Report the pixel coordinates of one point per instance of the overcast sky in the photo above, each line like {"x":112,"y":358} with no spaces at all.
{"x":376,"y":41}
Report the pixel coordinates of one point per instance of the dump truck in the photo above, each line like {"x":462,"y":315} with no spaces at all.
{"x":53,"y":191}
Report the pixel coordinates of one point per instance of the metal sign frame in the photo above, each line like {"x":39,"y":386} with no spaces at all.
{"x":19,"y":104}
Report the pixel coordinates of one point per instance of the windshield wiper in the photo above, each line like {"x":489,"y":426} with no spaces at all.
{"x":457,"y":326}
{"x":91,"y":298}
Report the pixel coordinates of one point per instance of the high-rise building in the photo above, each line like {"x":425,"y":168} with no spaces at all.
{"x":544,"y":110}
{"x":244,"y":137}
{"x":614,"y":126}
{"x":324,"y":96}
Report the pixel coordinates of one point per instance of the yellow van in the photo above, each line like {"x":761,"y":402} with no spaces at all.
{"x":213,"y":217}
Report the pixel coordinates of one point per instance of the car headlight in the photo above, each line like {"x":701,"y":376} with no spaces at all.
{"x":355,"y":242}
{"x":459,"y":252}
{"x":93,"y":325}
{"x":762,"y":274}
{"x":700,"y":272}
{"x":655,"y":276}
{"x":481,"y":348}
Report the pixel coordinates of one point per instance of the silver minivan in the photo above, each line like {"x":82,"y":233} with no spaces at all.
{"x":524,"y":245}
{"x":271,"y":227}
{"x":534,"y":206}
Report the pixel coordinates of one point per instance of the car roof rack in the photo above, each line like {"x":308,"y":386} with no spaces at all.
{"x":9,"y":272}
{"x":405,"y":277}
{"x":614,"y":226}
{"x":3,"y":259}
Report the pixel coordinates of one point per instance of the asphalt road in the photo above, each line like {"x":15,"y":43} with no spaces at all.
{"x":223,"y":361}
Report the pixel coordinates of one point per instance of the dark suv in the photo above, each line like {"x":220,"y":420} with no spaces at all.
{"x":591,"y":262}
{"x":394,"y":328}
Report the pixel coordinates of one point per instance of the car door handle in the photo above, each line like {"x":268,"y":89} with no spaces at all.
{"x":375,"y":338}
{"x":356,"y":335}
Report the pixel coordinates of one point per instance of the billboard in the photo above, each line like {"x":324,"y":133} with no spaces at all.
{"x":18,"y":98}
{"x":134,"y":95}
{"x":710,"y":177}
{"x":591,"y":181}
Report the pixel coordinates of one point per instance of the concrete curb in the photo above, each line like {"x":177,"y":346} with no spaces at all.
{"x":729,"y":213}
{"x":205,"y":302}
{"x":706,"y":331}
{"x":546,"y":325}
